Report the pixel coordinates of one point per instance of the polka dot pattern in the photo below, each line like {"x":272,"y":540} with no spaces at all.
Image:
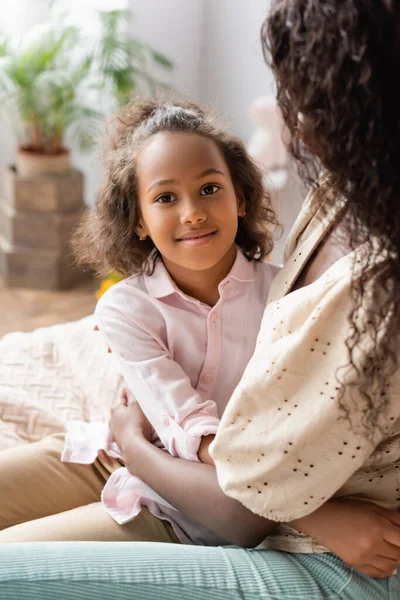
{"x":299,"y":450}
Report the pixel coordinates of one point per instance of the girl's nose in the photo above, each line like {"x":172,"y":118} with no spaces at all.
{"x":193,"y":214}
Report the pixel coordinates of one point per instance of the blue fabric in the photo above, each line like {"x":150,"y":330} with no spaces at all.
{"x":150,"y":571}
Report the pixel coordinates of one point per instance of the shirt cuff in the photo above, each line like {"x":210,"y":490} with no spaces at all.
{"x":186,"y":444}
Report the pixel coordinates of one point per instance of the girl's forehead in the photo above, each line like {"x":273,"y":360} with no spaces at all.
{"x":167,"y":153}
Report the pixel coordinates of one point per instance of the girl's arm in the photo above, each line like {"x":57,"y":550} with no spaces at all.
{"x":134,"y":331}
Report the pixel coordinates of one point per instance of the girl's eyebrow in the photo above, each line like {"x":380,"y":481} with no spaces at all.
{"x":210,"y":171}
{"x":161,"y":182}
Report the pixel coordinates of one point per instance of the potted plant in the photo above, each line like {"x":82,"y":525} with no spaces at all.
{"x":56,"y":88}
{"x":48,"y":88}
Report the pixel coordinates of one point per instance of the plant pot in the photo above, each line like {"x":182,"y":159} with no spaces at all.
{"x":31,"y":164}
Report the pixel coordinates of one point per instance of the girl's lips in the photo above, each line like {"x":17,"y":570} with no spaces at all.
{"x":201,"y":239}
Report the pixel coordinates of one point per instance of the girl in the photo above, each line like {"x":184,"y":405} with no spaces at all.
{"x":174,"y":202}
{"x":185,"y":214}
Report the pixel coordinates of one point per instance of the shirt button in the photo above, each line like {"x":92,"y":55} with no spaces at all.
{"x":208,"y":377}
{"x":214,"y":317}
{"x":165,"y":420}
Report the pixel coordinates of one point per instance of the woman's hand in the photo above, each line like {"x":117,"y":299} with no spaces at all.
{"x":128,"y":423}
{"x":364,"y":535}
{"x":203,"y":453}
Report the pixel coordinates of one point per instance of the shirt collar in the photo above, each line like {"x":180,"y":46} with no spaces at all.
{"x":160,"y":283}
{"x":242,"y":269}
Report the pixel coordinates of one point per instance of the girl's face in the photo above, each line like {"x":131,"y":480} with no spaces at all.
{"x":189,"y":206}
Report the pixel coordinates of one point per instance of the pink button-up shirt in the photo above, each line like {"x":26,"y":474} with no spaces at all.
{"x":181,"y":360}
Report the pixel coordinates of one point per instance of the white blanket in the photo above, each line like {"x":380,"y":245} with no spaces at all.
{"x":52,"y":375}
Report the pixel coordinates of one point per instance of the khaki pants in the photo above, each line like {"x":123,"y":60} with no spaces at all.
{"x":43,"y":499}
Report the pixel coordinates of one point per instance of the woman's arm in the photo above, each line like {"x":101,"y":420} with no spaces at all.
{"x":362,"y":534}
{"x":191,"y":487}
{"x":292,"y":438}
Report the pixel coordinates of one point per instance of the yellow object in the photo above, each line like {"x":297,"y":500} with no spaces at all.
{"x":113,"y":278}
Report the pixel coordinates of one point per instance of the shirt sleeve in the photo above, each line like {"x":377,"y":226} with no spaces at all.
{"x":177,"y":412}
{"x":285,"y":444}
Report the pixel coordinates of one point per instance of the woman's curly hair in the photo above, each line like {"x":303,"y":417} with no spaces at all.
{"x":107,"y":238}
{"x":337,"y":63}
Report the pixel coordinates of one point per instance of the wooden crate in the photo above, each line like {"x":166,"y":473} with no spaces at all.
{"x":37,"y":218}
{"x":49,"y":269}
{"x":59,"y":192}
{"x":33,"y":229}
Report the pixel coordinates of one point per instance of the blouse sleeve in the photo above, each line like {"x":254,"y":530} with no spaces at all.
{"x":175,"y":409}
{"x":284,"y":445}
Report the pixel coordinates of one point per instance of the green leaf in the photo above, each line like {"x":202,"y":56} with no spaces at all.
{"x":162,"y":60}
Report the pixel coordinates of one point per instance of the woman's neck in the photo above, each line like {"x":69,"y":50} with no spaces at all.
{"x":202,"y":285}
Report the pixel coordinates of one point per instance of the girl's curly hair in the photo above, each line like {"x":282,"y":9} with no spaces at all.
{"x":107,"y":238}
{"x":338,"y":64}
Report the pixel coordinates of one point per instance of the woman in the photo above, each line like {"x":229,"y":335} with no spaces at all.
{"x":316,"y":413}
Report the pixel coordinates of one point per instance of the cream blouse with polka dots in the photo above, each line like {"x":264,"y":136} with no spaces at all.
{"x":283,"y":447}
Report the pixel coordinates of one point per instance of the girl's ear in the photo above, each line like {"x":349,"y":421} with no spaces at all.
{"x":141,"y":231}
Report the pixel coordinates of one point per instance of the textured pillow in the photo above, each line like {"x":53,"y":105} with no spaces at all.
{"x":52,"y":375}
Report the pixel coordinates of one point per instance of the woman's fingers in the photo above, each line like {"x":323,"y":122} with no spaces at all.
{"x":392,"y":535}
{"x":385,"y":564}
{"x":388,"y":551}
{"x":372,"y":571}
{"x":390,"y":515}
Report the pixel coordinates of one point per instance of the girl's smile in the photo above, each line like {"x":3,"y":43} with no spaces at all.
{"x":197,"y":237}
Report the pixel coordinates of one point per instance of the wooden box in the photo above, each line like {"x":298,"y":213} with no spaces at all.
{"x":47,"y":230}
{"x":37,"y":218}
{"x":48,"y":269}
{"x":61,"y":192}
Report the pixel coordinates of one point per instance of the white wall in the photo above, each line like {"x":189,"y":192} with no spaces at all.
{"x":233,"y":71}
{"x":216,"y":47}
{"x":176,"y":28}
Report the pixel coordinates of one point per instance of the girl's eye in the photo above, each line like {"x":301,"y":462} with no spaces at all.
{"x":209,"y":189}
{"x":165,"y":199}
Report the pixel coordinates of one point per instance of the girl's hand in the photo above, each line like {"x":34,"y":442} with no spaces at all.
{"x":364,"y":535}
{"x":128,"y":422}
